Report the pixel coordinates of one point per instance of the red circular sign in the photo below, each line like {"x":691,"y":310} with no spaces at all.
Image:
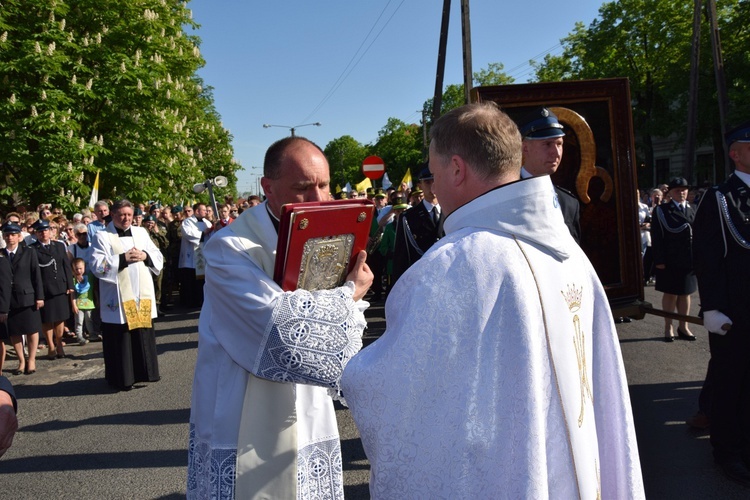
{"x":373,"y":167}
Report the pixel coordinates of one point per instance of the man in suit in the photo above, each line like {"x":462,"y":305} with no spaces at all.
{"x":721,"y":254}
{"x":542,"y":153}
{"x":418,"y":228}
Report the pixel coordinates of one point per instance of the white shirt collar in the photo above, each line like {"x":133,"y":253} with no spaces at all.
{"x":743,"y":176}
{"x":429,"y":206}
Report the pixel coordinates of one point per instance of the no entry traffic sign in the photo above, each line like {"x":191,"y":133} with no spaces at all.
{"x":373,"y":167}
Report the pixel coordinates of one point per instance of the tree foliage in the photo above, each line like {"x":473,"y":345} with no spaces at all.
{"x":453,"y":95}
{"x":399,"y":144}
{"x":650,"y":43}
{"x":345,"y":157}
{"x":109,"y":85}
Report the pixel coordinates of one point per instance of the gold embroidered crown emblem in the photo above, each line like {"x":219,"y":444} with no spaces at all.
{"x":573,"y":297}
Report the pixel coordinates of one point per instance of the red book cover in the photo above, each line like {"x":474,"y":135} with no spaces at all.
{"x":318,"y":242}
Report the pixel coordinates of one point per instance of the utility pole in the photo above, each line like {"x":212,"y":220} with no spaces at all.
{"x":721,"y":83}
{"x":437,"y":101}
{"x":425,"y":147}
{"x":466,"y":39}
{"x":692,"y":118}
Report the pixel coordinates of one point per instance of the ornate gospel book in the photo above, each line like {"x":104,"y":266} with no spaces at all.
{"x":319,"y":241}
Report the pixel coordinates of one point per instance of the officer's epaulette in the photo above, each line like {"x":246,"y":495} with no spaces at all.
{"x":569,"y":193}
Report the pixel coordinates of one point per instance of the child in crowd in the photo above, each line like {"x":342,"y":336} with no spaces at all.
{"x":82,"y":301}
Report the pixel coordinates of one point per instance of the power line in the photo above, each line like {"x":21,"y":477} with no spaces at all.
{"x":344,"y":74}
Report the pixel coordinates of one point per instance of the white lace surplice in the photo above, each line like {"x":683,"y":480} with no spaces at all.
{"x":460,"y":397}
{"x":250,"y":328}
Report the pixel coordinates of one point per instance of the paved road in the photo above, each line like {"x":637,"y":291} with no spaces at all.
{"x":79,"y":439}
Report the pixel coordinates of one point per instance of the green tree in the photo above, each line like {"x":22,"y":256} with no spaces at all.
{"x":109,"y":85}
{"x":345,"y":157}
{"x":649,"y":42}
{"x":453,"y":95}
{"x":493,"y":74}
{"x":399,"y":144}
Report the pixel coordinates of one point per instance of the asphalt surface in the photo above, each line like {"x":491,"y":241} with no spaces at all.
{"x":80,"y":439}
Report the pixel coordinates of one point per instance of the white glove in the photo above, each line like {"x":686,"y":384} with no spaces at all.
{"x":716,"y":322}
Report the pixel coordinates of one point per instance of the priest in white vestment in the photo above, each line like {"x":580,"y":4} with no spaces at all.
{"x":262,"y":423}
{"x":499,"y":374}
{"x":123,"y":258}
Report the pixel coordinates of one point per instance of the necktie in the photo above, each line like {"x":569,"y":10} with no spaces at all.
{"x":435,"y":216}
{"x":681,"y":208}
{"x":10,"y":256}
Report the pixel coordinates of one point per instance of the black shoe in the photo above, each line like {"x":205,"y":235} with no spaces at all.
{"x":685,"y":335}
{"x":736,"y":471}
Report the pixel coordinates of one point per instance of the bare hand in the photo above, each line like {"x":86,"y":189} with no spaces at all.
{"x":134,"y":255}
{"x":361,"y":276}
{"x":39,"y":304}
{"x":8,"y":422}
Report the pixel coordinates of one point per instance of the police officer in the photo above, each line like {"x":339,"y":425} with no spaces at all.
{"x":419,"y":228}
{"x":671,"y":243}
{"x":721,"y":253}
{"x":542,"y":146}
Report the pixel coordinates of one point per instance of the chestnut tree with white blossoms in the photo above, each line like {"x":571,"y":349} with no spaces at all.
{"x":109,"y":86}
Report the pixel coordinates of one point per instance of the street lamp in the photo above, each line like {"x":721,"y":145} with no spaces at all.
{"x":292,"y":129}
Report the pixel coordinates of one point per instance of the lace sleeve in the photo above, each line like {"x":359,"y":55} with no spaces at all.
{"x":311,"y":337}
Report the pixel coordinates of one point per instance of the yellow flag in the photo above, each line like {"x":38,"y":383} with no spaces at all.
{"x":362,"y":186}
{"x":338,"y":188}
{"x":407,"y":179}
{"x":94,"y":192}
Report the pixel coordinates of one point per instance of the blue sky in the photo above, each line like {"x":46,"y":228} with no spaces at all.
{"x":353,"y":64}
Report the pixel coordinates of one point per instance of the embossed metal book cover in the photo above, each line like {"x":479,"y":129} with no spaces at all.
{"x":318,"y":242}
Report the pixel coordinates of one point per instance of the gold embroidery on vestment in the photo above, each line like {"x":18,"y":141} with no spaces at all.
{"x":137,"y":316}
{"x":573,"y":297}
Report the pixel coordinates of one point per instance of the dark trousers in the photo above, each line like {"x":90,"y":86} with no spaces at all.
{"x":129,"y":355}
{"x":730,"y":394}
{"x":191,"y":289}
{"x":376,"y":264}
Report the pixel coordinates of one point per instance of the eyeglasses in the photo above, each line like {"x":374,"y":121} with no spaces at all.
{"x":81,"y":234}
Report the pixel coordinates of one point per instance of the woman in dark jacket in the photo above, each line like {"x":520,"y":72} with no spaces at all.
{"x":26,"y":297}
{"x":58,"y":285}
{"x":671,"y":244}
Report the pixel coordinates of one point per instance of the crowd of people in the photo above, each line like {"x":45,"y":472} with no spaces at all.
{"x":56,"y":293}
{"x":510,"y":296}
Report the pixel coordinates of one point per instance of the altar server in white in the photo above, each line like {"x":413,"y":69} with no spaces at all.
{"x":123,"y":258}
{"x":499,"y":374}
{"x":262,"y":423}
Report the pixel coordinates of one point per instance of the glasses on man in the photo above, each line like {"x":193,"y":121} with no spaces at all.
{"x":81,"y":235}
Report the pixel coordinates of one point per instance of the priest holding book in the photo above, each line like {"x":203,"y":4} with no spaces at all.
{"x":262,"y":422}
